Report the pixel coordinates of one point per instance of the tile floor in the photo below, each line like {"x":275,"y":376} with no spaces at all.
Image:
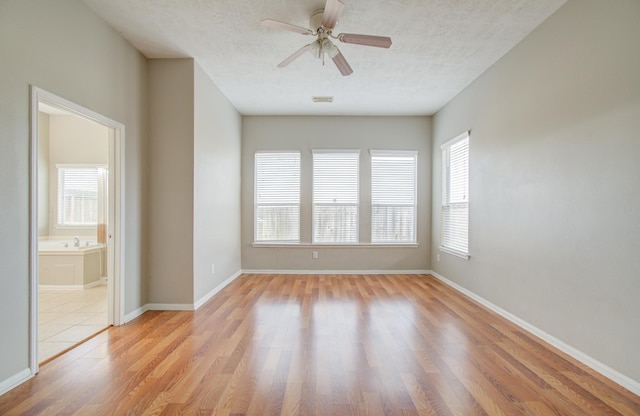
{"x":66,"y":317}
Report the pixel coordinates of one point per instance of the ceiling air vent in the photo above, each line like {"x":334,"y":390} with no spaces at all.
{"x":322,"y":99}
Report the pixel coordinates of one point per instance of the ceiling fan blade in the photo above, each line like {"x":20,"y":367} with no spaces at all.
{"x":342,"y":64}
{"x":294,"y":56}
{"x":368,"y":40}
{"x":332,"y":11}
{"x":274,"y":24}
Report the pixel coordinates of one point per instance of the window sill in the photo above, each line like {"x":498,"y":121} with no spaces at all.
{"x":456,"y":253}
{"x":329,"y":245}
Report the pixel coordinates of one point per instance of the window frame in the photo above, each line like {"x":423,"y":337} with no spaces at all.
{"x":314,"y":240}
{"x":256,"y":204}
{"x":461,"y":248}
{"x":413,"y":154}
{"x":61,"y":205}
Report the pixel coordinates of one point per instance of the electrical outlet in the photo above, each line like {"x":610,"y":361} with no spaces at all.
{"x":213,"y":269}
{"x":314,"y":254}
{"x":438,"y":257}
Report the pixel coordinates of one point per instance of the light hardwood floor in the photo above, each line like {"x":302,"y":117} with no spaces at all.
{"x":320,"y":345}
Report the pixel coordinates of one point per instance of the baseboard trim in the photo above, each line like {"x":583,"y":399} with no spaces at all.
{"x":157,"y":307}
{"x":135,"y":313}
{"x":15,"y":380}
{"x":215,"y":290}
{"x":54,"y":288}
{"x":272,"y":271}
{"x":613,"y":375}
{"x":95,"y":283}
{"x":169,"y":306}
{"x":180,"y":306}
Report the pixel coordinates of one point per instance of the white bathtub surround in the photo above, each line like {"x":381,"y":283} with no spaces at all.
{"x":92,"y":238}
{"x":62,"y":265}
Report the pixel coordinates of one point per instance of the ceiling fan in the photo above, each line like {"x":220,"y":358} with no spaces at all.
{"x":322,"y":23}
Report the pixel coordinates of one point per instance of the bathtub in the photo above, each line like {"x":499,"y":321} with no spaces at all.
{"x":63,"y":265}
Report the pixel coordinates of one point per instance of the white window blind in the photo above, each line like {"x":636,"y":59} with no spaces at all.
{"x":277,"y":197}
{"x":455,"y":195}
{"x":77,"y":196}
{"x":335,"y":196}
{"x":393,"y":196}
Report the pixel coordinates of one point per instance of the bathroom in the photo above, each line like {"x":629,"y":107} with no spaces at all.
{"x":72,"y":194}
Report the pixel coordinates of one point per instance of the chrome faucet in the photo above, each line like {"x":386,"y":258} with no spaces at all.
{"x":76,"y":241}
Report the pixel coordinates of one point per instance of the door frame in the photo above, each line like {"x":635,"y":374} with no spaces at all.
{"x":115,"y":229}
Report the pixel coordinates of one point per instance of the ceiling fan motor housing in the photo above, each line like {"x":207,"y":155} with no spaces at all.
{"x":322,"y":44}
{"x":315,"y":21}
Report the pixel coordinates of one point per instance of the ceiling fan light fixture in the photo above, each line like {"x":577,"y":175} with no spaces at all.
{"x":315,"y":49}
{"x":330,"y":48}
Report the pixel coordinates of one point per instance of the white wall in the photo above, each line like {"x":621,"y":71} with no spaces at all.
{"x":170,"y":256}
{"x":555,"y":173}
{"x":43,"y":174}
{"x":64,"y":48}
{"x":364,"y":133}
{"x":216,"y":223}
{"x":73,"y":140}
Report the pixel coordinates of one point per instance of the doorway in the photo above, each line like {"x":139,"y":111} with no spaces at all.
{"x":75,"y":250}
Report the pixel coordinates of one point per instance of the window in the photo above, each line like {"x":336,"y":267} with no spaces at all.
{"x":455,"y":196}
{"x":78,"y":195}
{"x":277,"y":197}
{"x":335,"y":196}
{"x":393,"y":196}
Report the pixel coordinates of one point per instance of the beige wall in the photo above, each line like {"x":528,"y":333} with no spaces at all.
{"x":73,"y":140}
{"x":555,"y":171}
{"x":170,"y":256}
{"x":64,"y":48}
{"x":194,"y":192}
{"x":364,"y":133}
{"x":216,"y":223}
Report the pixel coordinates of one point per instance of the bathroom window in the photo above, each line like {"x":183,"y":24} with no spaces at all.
{"x":78,"y":194}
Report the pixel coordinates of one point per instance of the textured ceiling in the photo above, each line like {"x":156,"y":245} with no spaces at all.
{"x":439,"y":47}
